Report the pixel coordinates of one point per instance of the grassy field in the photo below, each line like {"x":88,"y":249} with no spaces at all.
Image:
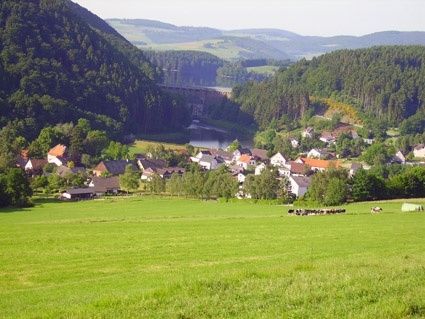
{"x":142,"y":146}
{"x":266,"y":69}
{"x":176,"y":258}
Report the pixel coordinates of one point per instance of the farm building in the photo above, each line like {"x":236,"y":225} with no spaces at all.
{"x":105,"y":185}
{"x":78,"y":194}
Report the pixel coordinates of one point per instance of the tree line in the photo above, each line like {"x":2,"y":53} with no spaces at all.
{"x":335,"y":187}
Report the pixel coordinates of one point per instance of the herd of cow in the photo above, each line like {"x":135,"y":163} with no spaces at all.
{"x":313,"y":212}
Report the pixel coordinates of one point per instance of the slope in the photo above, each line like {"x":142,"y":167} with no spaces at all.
{"x":60,"y":62}
{"x":385,"y":83}
{"x":251,"y":43}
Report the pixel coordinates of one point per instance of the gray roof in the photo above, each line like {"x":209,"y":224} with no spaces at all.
{"x":207,"y":159}
{"x":261,"y":154}
{"x":106,"y":183}
{"x":419,"y":147}
{"x":244,"y":150}
{"x":302,"y":181}
{"x":152,"y":163}
{"x":80,"y":191}
{"x":118,"y":167}
{"x":62,"y":171}
{"x":223,"y":154}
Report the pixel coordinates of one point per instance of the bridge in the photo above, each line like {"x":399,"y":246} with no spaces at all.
{"x":199,"y":97}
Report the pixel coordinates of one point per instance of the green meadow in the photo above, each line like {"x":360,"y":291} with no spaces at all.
{"x":149,"y":257}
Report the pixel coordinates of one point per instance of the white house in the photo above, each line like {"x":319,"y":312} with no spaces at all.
{"x":35,"y":165}
{"x":260,"y":168}
{"x":245,"y":160}
{"x":299,"y":185}
{"x":57,"y":155}
{"x":320,"y":154}
{"x":284,"y":171}
{"x":198,"y":156}
{"x":278,"y":160}
{"x":314,"y":153}
{"x":239,"y":152}
{"x":208,"y":162}
{"x":419,"y":151}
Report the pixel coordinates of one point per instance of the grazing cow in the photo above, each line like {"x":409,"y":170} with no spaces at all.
{"x":375,"y":210}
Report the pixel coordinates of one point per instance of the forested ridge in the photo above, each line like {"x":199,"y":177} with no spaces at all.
{"x":59,"y":63}
{"x":382,"y":82}
{"x":195,"y":68}
{"x":186,"y":67}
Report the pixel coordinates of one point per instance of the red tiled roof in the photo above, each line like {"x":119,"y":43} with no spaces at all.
{"x":312,"y":162}
{"x":245,"y":158}
{"x":298,"y":168}
{"x":58,"y":151}
{"x":261,"y":154}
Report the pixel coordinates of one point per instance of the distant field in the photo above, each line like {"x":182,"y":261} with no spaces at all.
{"x":226,"y":50}
{"x":267,"y":69}
{"x":176,"y":258}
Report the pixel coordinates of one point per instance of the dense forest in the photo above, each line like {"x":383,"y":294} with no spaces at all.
{"x":384,"y":83}
{"x":195,"y":68}
{"x":272,"y":100}
{"x":59,"y":63}
{"x":189,"y":68}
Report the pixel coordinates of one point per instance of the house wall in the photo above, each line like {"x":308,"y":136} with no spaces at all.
{"x":28,"y":166}
{"x":278,"y":160}
{"x":99,"y":169}
{"x":419,"y":153}
{"x":54,"y":160}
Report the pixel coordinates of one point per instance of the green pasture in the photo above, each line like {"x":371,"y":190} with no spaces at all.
{"x":266,"y":69}
{"x":178,"y":258}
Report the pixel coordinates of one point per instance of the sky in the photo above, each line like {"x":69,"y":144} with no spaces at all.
{"x":306,"y":17}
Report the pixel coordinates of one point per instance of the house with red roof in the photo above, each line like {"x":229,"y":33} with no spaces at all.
{"x":57,"y":155}
{"x":319,"y":164}
{"x":246,"y":160}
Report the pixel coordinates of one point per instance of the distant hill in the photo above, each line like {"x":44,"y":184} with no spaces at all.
{"x":59,"y":62}
{"x":250,"y":43}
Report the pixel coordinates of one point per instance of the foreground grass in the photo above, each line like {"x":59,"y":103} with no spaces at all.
{"x":172,"y":258}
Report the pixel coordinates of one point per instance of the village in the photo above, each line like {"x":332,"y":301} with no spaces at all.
{"x":103,"y":179}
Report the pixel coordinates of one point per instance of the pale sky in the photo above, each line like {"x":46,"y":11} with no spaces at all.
{"x":307,"y":17}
